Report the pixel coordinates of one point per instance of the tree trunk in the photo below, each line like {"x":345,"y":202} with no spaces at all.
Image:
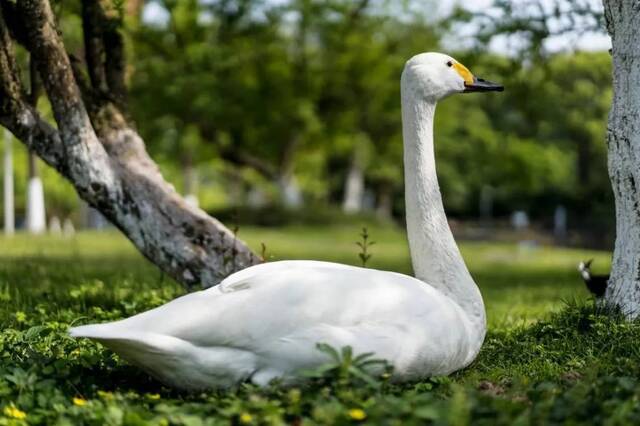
{"x":190,"y":183}
{"x":623,"y":140}
{"x":36,"y":212}
{"x":384,"y":209}
{"x":96,"y":149}
{"x":290,"y":193}
{"x":353,"y":188}
{"x":9,"y":218}
{"x":485,"y":205}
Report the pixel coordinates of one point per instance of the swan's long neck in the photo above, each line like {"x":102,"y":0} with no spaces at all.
{"x":434,"y":253}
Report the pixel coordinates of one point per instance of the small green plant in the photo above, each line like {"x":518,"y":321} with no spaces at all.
{"x":346,"y":368}
{"x":364,"y":245}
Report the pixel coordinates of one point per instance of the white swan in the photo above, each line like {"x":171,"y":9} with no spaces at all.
{"x":265,"y":321}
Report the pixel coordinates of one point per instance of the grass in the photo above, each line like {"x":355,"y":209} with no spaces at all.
{"x":550,"y":355}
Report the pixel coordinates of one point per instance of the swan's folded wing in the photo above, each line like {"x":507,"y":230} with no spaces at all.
{"x":262,"y":304}
{"x":271,"y":301}
{"x":258,"y":275}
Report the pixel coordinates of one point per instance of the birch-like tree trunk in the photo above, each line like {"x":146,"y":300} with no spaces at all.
{"x":353,"y":188}
{"x":190,"y":183}
{"x":623,"y":140}
{"x":36,"y":211}
{"x":96,"y":148}
{"x":290,"y":193}
{"x":9,"y":212}
{"x":384,"y":208}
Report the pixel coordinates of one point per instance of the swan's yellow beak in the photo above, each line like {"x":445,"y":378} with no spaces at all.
{"x":464,"y":73}
{"x":473,"y":83}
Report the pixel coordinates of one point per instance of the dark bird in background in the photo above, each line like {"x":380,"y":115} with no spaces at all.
{"x":597,"y":284}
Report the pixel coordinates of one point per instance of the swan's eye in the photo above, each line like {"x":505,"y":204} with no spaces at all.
{"x":449,"y":64}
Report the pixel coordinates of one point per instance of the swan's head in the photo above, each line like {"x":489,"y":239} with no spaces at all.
{"x":434,"y":76}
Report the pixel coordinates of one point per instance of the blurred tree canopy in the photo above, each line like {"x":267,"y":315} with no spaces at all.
{"x":282,"y":99}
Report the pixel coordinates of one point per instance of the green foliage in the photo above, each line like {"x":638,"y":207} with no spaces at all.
{"x":348,"y":369}
{"x":576,"y":365}
{"x":250,"y":94}
{"x":310,"y":88}
{"x":531,"y":23}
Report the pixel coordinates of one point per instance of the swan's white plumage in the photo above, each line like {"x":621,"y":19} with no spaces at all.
{"x":265,"y":321}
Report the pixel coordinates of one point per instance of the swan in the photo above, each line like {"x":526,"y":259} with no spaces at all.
{"x":264,"y":322}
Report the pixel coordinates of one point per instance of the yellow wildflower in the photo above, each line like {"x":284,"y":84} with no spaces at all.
{"x":245,"y":418}
{"x":79,"y":401}
{"x":21,"y":316}
{"x":357,"y":414}
{"x":14,"y":412}
{"x":153,"y":396}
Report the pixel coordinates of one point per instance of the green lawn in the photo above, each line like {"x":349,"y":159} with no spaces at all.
{"x":550,"y":356}
{"x":519,"y":284}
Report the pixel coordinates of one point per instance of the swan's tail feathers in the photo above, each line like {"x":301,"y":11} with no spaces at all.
{"x":129,"y":343}
{"x":94,"y":331}
{"x":172,"y":360}
{"x":138,"y":347}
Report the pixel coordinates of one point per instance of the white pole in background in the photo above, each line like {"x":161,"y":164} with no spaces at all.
{"x":36,"y":217}
{"x":9,"y":219}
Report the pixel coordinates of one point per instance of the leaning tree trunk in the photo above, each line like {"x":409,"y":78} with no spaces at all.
{"x":623,"y":140}
{"x":98,"y":151}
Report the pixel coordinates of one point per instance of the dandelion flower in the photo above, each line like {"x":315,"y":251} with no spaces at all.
{"x":357,"y":414}
{"x":245,"y":418}
{"x":13,"y":412}
{"x":79,"y":401}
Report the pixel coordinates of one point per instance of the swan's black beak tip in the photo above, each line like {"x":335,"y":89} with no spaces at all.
{"x":481,"y":85}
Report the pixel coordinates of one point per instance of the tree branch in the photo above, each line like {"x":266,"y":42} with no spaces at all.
{"x":15,"y":112}
{"x":115,"y":62}
{"x":93,"y":44}
{"x":357,"y":11}
{"x":240,"y":158}
{"x":104,"y":51}
{"x":46,"y":46}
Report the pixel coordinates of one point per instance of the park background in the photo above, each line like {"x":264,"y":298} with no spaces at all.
{"x":275,"y":111}
{"x":282,"y":119}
